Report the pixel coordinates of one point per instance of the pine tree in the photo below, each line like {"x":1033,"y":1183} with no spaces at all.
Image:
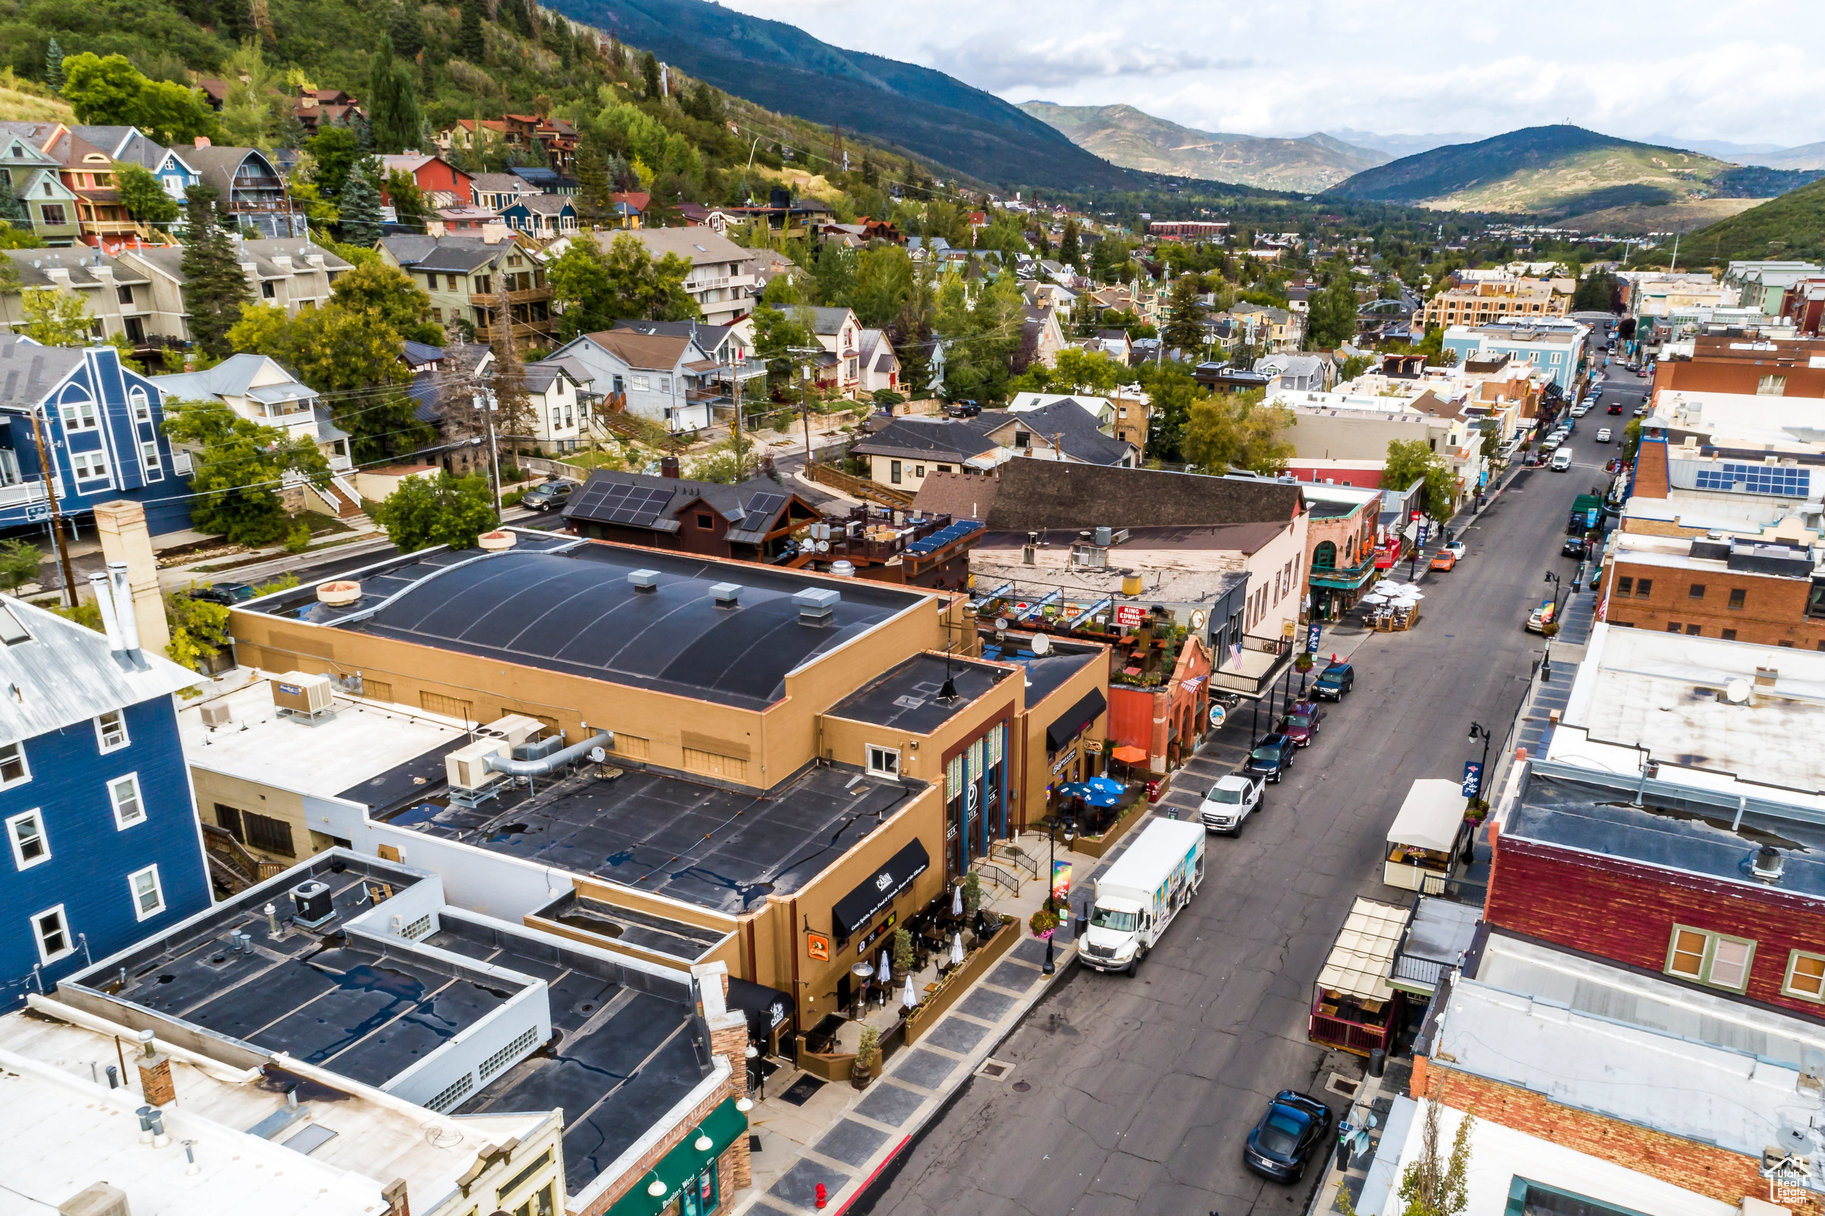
{"x":361,"y":218}
{"x":53,"y":66}
{"x":649,"y":74}
{"x":12,"y":211}
{"x":407,"y":34}
{"x":392,"y":107}
{"x":215,"y":289}
{"x":516,"y":14}
{"x":470,"y":43}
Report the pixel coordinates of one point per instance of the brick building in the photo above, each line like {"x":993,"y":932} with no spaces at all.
{"x":1747,"y":363}
{"x":1731,"y":588}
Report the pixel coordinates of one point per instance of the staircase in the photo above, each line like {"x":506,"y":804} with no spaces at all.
{"x":337,"y":495}
{"x":231,"y":867}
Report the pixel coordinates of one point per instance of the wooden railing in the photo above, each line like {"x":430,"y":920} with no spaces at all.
{"x":857,"y":487}
{"x":234,"y":867}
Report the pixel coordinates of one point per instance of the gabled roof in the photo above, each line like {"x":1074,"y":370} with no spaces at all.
{"x":544,"y":204}
{"x":538,"y":377}
{"x":231,"y":378}
{"x":65,"y":674}
{"x":81,"y":263}
{"x":829,"y":320}
{"x":169,"y":259}
{"x":217,"y":165}
{"x":1074,"y":430}
{"x":1039,"y":494}
{"x":696,"y":244}
{"x":707,"y":337}
{"x":494,"y":183}
{"x":448,"y":254}
{"x":932,"y":438}
{"x":649,"y":352}
{"x":29,"y":371}
{"x":637,"y":500}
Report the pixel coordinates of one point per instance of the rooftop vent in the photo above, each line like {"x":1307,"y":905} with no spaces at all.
{"x":643,"y":580}
{"x":1766,"y":676}
{"x":816,"y":605}
{"x":726,"y":595}
{"x":1767,"y":863}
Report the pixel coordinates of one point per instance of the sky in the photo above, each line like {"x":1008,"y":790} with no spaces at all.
{"x":1743,"y":71}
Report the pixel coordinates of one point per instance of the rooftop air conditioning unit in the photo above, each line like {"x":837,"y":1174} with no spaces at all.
{"x":515,"y":728}
{"x":466,"y":768}
{"x":643,"y":580}
{"x":1089,"y":555}
{"x":300,"y":693}
{"x":311,"y":905}
{"x":216,"y":713}
{"x":726,"y":595}
{"x":817,"y":605}
{"x":99,"y":1199}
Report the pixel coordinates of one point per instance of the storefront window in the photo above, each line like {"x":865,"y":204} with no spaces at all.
{"x":701,"y":1193}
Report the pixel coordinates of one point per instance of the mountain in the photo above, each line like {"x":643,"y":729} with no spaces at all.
{"x":1134,"y":140}
{"x":1403,"y":145}
{"x":1791,"y":226}
{"x":1806,"y":156}
{"x":1558,"y":170}
{"x":918,"y":109}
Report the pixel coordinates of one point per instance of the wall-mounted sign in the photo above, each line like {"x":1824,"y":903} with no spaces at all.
{"x":1058,"y":765}
{"x":874,"y":934}
{"x":818,"y":946}
{"x":1093,"y":746}
{"x":1130,"y":614}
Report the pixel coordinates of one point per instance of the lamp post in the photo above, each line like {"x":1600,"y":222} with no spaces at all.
{"x":1479,"y":731}
{"x":1050,"y":967}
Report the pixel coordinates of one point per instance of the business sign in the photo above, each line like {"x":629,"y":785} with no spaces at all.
{"x":817,"y":945}
{"x":1130,"y":614}
{"x":1058,"y":766}
{"x":1421,"y":541}
{"x":1473,"y":778}
{"x":1312,"y":637}
{"x":1217,"y":715}
{"x":1061,"y":879}
{"x":1590,"y":516}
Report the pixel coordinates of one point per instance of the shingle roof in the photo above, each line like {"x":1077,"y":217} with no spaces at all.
{"x":828,"y":320}
{"x":1074,"y":430}
{"x":545,"y":204}
{"x":32,"y":265}
{"x":754,"y":505}
{"x":28,"y":371}
{"x":658,"y":352}
{"x":450,"y":254}
{"x":216,"y":165}
{"x":930,"y":437}
{"x":229,"y":378}
{"x":697,"y":244}
{"x":707,"y":337}
{"x":1050,"y":494}
{"x":494,"y":183}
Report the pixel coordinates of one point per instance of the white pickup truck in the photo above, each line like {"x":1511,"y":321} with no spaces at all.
{"x":1231,"y":801}
{"x":1141,"y":893}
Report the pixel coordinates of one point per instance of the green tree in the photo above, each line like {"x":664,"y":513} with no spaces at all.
{"x":1077,"y":370}
{"x":238,"y":469}
{"x":360,"y":206}
{"x":1237,"y":431}
{"x":12,"y":211}
{"x":56,"y":318}
{"x":19,"y":564}
{"x":649,"y":75}
{"x":1596,"y":292}
{"x":145,"y":199}
{"x":409,"y":207}
{"x":1184,"y":315}
{"x":53,"y":65}
{"x":1172,"y":392}
{"x":215,"y":289}
{"x":777,"y":334}
{"x":334,"y":152}
{"x":392,"y":104}
{"x":1068,"y":251}
{"x":111,"y":92}
{"x":199,"y":628}
{"x":387,"y":294}
{"x":441,"y":510}
{"x":471,"y":43}
{"x":1331,"y":315}
{"x":730,"y":460}
{"x":407,"y":35}
{"x":1411,"y":460}
{"x":1353,"y":367}
{"x":596,"y":288}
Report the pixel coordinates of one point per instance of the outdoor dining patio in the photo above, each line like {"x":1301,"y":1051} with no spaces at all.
{"x":1392,"y":605}
{"x":1090,"y":808}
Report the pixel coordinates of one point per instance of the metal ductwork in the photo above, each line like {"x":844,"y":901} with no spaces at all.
{"x":538,"y":768}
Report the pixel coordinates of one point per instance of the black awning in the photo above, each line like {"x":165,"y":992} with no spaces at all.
{"x":766,"y":1007}
{"x":852,"y":912}
{"x":1076,"y":720}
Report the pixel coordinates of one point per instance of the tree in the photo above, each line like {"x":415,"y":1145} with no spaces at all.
{"x":777,"y":334}
{"x":392,"y":105}
{"x":144,"y":197}
{"x":1354,"y":366}
{"x":1411,"y":460}
{"x":385,"y":293}
{"x":1331,"y":314}
{"x":649,"y":75}
{"x":409,"y":207}
{"x":360,"y":206}
{"x":1237,"y":431}
{"x":1172,"y":393}
{"x":334,"y":153}
{"x":596,"y":288}
{"x":19,"y":564}
{"x":1068,"y":251}
{"x":1430,"y":1187}
{"x":112,"y":92}
{"x":407,"y":35}
{"x":55,"y":318}
{"x":1184,"y":315}
{"x":1596,"y":292}
{"x":53,"y":65}
{"x":440,"y":510}
{"x":1077,"y":370}
{"x":215,"y":289}
{"x":471,"y":44}
{"x":238,"y":468}
{"x":12,"y":211}
{"x":199,"y":627}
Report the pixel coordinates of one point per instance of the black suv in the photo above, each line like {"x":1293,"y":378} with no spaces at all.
{"x":1271,"y":756}
{"x":1334,"y":681}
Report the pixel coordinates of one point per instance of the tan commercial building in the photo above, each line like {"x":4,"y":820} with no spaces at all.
{"x":1480,"y":303}
{"x":755,"y":766}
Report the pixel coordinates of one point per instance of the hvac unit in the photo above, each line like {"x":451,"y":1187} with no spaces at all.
{"x":98,"y":1199}
{"x":466,"y":768}
{"x":297,"y":692}
{"x":515,"y":728}
{"x":311,"y":907}
{"x":216,"y":714}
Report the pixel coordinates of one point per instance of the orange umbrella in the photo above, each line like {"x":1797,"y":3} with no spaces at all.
{"x":1130,"y":754}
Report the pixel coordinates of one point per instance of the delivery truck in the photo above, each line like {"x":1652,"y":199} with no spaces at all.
{"x":1138,"y":896}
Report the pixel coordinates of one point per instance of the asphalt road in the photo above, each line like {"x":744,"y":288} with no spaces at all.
{"x":1135,"y":1095}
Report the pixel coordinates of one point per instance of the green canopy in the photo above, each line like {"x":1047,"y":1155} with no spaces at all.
{"x":685,"y":1161}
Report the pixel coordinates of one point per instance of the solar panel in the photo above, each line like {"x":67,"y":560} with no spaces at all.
{"x":1784,"y":481}
{"x":766,"y":504}
{"x":621,"y":503}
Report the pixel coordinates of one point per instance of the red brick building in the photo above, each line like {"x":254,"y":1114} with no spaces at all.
{"x":1738,"y":364}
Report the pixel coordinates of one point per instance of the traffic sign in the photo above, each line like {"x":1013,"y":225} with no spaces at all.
{"x":1473,"y":778}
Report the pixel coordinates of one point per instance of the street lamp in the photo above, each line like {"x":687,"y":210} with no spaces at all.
{"x":1050,"y":967}
{"x":1479,"y":731}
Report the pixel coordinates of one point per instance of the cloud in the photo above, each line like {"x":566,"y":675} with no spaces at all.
{"x":996,"y":65}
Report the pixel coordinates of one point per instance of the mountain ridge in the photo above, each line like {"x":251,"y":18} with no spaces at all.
{"x":1791,"y":226}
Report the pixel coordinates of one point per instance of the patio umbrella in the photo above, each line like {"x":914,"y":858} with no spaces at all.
{"x":1104,"y":800}
{"x":1074,"y":789}
{"x":957,"y":900}
{"x":957,"y":950}
{"x":1106,"y":785}
{"x":909,"y":998}
{"x":884,"y":973}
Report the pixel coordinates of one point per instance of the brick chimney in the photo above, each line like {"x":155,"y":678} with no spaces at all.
{"x":728,"y":1039}
{"x":125,"y":538}
{"x":202,"y":141}
{"x":155,"y":1079}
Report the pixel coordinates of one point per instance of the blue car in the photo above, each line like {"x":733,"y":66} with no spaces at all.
{"x":1271,"y":756}
{"x":1293,"y":1129}
{"x":1334,"y":681}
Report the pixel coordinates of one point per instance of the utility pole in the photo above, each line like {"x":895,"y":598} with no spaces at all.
{"x":485,"y":402}
{"x":804,"y":405}
{"x":49,"y":473}
{"x":735,"y":388}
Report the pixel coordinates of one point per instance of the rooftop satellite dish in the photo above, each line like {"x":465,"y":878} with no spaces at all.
{"x":1042,"y":644}
{"x":823,"y":546}
{"x":1737,"y":692}
{"x":1002,"y":622}
{"x":597,"y":755}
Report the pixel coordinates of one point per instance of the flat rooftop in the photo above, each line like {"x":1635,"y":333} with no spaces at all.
{"x":564,"y":604}
{"x":333,"y":1153}
{"x":1644,"y":694}
{"x":717,"y":848}
{"x":909,"y":697}
{"x":350,"y":747}
{"x":1046,"y":673}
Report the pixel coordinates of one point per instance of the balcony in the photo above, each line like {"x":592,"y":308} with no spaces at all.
{"x":499,"y":299}
{"x":23,"y":493}
{"x":1343,"y":578}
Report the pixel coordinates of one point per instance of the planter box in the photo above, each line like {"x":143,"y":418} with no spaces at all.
{"x":1097,"y":846}
{"x":974,"y":968}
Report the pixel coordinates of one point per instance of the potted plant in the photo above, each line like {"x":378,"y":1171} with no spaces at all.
{"x":867,"y":1055}
{"x":1044,"y":922}
{"x":972,"y":894}
{"x":1476,"y":811}
{"x":903,"y":951}
{"x":1303,"y":662}
{"x":1550,"y":629}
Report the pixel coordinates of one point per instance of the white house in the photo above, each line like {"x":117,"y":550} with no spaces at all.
{"x":880,"y":366}
{"x":554,"y":396}
{"x":660,"y":377}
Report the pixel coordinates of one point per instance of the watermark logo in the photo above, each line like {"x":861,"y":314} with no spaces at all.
{"x":1787,"y":1179}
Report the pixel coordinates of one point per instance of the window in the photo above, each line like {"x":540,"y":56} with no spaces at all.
{"x":893,"y":471}
{"x":918,"y":470}
{"x":266,"y":833}
{"x":89,"y":466}
{"x":111,"y":730}
{"x":1737,"y":596}
{"x":557,"y":417}
{"x":705,"y":520}
{"x":129,"y":809}
{"x":142,"y":404}
{"x":1710,"y":958}
{"x":883,"y":761}
{"x":450,"y":282}
{"x":1625,"y":587}
{"x":1672,"y":626}
{"x":53,"y":934}
{"x":1772,"y":386}
{"x":26,"y":833}
{"x":53,"y":213}
{"x":1805,"y":976}
{"x":124,"y":295}
{"x":1729,"y":635}
{"x":1696,"y":592}
{"x":1644,"y":588}
{"x":148,"y":894}
{"x":79,"y":415}
{"x":267,"y":290}
{"x":13,"y":768}
{"x":641,"y":384}
{"x":1695,"y":630}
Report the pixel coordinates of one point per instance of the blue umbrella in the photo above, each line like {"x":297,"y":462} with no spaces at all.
{"x":1076,"y":789}
{"x":1104,"y":800}
{"x":1106,"y":785}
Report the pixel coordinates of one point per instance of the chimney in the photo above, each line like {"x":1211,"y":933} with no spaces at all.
{"x":155,"y":1079}
{"x":668,"y":467}
{"x":202,"y":141}
{"x":125,"y":612}
{"x":124,"y":539}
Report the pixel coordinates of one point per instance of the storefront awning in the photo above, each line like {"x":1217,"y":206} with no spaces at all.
{"x":1363,"y":954}
{"x":1431,"y":816}
{"x":1076,"y":720}
{"x":684,"y":1162}
{"x":857,"y":908}
{"x":766,"y":1007}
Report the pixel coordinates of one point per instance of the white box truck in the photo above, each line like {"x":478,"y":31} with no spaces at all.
{"x":1138,"y":896}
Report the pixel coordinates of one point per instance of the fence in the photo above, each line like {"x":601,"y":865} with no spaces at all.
{"x":857,"y":487}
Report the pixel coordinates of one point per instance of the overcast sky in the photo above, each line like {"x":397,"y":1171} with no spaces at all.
{"x":1746,"y":71}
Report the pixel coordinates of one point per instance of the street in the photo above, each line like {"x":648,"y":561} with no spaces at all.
{"x":1136,"y":1095}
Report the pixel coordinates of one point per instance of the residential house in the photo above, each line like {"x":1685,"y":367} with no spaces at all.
{"x":1041,"y":334}
{"x":770,"y":264}
{"x":1760,"y":285}
{"x":839,"y":368}
{"x":1112,"y":342}
{"x":498,"y":191}
{"x":116,"y":295}
{"x":1298,"y":373}
{"x":441,"y":182}
{"x":135,"y":147}
{"x":880,"y":366}
{"x":1061,"y":430}
{"x":722,"y":278}
{"x":727,"y":346}
{"x":556,"y":138}
{"x":1124,"y":416}
{"x":466,"y":219}
{"x":543,"y":217}
{"x":103,"y":843}
{"x":629,"y":209}
{"x":660,"y":377}
{"x":37,"y":180}
{"x":555,"y":402}
{"x":787,"y":216}
{"x":751,"y":521}
{"x":289,"y":273}
{"x":902,"y":454}
{"x":545,"y":180}
{"x":1278,"y":329}
{"x":478,"y":288}
{"x":103,"y":428}
{"x":89,"y":172}
{"x":315,"y":108}
{"x":251,"y":189}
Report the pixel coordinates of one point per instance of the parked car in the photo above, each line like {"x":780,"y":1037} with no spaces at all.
{"x":1582,"y":408}
{"x":1550,"y":444}
{"x":1604,"y":435}
{"x":1455,"y":548}
{"x":1334,"y":681}
{"x":1562,"y":460}
{"x":225,"y":594}
{"x":1444,"y":559}
{"x":1302,"y":722}
{"x":550,"y":495}
{"x":1573,"y":547}
{"x":1293,"y":1130}
{"x":1536,"y":621}
{"x":963,"y":409}
{"x":1641,"y":410}
{"x":1271,"y":756}
{"x":1231,"y":801}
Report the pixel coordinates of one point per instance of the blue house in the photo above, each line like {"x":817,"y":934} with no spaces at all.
{"x":135,"y":147}
{"x":541,"y":216}
{"x":103,"y":846}
{"x":102,"y":427}
{"x":1553,"y":345}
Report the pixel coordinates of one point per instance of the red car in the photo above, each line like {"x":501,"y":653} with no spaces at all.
{"x":1302,"y":722}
